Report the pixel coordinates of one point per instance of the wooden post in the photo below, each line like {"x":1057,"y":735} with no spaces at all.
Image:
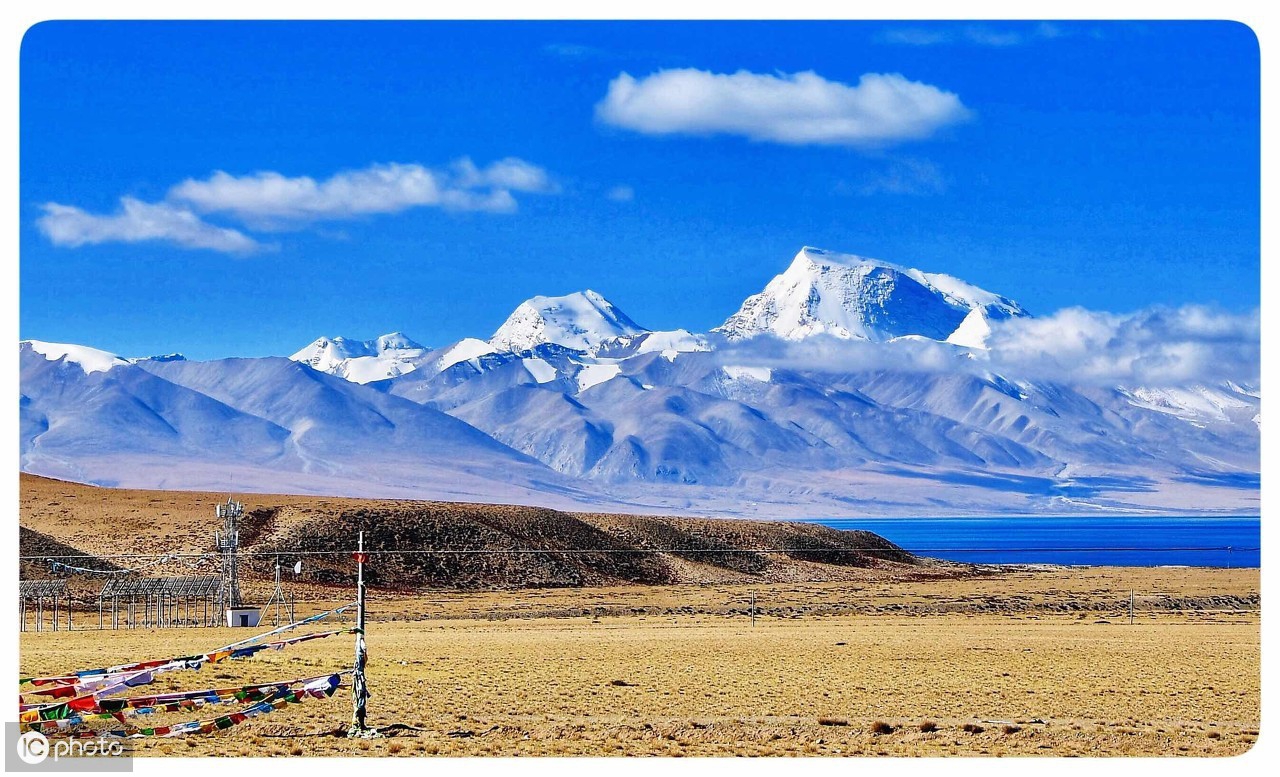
{"x":359,"y":687}
{"x":753,"y":609}
{"x":1131,"y":608}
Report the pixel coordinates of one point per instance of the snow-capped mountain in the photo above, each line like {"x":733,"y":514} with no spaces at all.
{"x":852,"y":297}
{"x":363,"y":361}
{"x":580,"y":320}
{"x":84,"y":357}
{"x":266,"y":425}
{"x":800,"y":405}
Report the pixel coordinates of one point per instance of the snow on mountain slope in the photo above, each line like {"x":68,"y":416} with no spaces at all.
{"x":852,"y":297}
{"x":468,"y":349}
{"x":973,"y":330}
{"x":595,"y":374}
{"x":327,"y":414}
{"x":1198,"y":403}
{"x":580,"y":320}
{"x":363,"y":361}
{"x":83,"y":424}
{"x":88,"y":359}
{"x":572,"y":401}
{"x":669,"y":343}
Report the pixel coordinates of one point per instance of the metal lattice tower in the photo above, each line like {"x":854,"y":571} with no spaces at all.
{"x":228,"y":543}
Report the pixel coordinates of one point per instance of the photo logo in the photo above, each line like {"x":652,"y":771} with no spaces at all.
{"x":36,"y":752}
{"x":33,"y":747}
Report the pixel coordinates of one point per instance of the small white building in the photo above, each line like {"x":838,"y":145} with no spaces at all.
{"x":239,"y":617}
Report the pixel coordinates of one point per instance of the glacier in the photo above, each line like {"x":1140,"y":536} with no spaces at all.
{"x":847,"y":387}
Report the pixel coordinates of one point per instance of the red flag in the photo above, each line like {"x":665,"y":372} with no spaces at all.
{"x":83,"y":703}
{"x":360,"y":556}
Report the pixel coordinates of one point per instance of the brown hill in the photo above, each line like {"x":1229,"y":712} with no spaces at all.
{"x":418,"y":544}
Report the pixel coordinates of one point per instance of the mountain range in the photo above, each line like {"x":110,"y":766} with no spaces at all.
{"x":799,"y":404}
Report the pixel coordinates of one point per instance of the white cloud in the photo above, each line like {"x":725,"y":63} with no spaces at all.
{"x":918,"y":177}
{"x":138,"y":221}
{"x":1158,"y":347}
{"x":621,"y":193}
{"x":510,"y":173}
{"x":796,"y":109}
{"x":267,"y":199}
{"x":974,"y":34}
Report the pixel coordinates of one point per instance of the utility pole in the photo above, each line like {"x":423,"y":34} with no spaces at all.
{"x":1131,"y":608}
{"x":753,"y":609}
{"x":359,"y":686}
{"x":277,"y":595}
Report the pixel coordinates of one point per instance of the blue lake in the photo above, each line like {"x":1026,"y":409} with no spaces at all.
{"x":1117,"y":541}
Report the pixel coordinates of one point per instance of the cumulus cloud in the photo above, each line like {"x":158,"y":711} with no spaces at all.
{"x":829,"y":354}
{"x":796,"y":109}
{"x":1158,"y":347}
{"x":267,"y":198}
{"x":138,"y":221}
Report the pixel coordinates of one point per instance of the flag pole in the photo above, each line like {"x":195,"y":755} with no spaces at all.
{"x":359,"y":686}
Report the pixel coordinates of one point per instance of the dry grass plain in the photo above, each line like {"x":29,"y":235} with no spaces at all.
{"x":1018,"y":663}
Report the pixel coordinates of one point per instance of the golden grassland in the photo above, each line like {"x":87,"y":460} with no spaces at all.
{"x":1020,"y":663}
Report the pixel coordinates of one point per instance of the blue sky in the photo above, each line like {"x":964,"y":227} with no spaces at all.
{"x":1109,"y":165}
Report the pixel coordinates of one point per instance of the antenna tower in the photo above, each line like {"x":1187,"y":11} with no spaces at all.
{"x":228,"y":543}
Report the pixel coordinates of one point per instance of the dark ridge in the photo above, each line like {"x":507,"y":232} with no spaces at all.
{"x":83,"y":587}
{"x":524,"y":547}
{"x":458,"y":528}
{"x":34,"y":543}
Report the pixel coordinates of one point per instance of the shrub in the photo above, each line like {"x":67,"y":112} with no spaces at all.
{"x":880,"y":727}
{"x":1011,"y":729}
{"x":972,"y":728}
{"x":928,"y":726}
{"x":832,"y":722}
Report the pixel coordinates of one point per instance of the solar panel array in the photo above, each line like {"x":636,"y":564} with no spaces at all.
{"x":36,"y":589}
{"x":201,"y":586}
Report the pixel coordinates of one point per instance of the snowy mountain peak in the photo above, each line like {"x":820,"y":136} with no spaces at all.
{"x":580,"y":321}
{"x":88,"y":359}
{"x":854,"y":297}
{"x":363,"y":361}
{"x":396,"y":341}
